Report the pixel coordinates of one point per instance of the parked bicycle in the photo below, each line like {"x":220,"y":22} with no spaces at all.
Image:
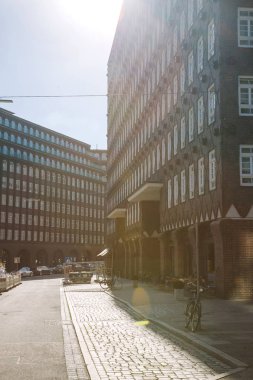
{"x":193,"y":311}
{"x":109,"y":283}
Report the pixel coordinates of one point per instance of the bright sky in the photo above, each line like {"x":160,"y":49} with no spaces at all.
{"x":58,"y":47}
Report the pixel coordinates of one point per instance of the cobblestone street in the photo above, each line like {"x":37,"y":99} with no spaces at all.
{"x":121,"y":345}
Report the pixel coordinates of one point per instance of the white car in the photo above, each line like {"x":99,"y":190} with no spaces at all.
{"x":25,"y":272}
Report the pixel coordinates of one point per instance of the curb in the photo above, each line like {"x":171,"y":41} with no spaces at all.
{"x":240,"y":366}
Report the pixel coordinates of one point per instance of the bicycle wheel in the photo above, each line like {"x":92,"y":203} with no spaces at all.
{"x":195,"y":319}
{"x":104,"y":284}
{"x":188,"y":313}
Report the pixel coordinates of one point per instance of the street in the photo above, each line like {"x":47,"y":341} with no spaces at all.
{"x":80,"y":332}
{"x":31,"y":345}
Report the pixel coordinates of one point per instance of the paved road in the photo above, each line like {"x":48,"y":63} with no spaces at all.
{"x":31,"y":338}
{"x":118,"y":345}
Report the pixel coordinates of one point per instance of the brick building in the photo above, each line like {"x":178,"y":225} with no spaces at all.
{"x":51,"y":195}
{"x":180,"y":141}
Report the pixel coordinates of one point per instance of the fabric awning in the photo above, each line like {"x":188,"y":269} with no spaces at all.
{"x":104,"y":252}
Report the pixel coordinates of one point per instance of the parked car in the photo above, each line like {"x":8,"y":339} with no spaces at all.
{"x":58,"y":269}
{"x":42,"y":270}
{"x":25,"y":272}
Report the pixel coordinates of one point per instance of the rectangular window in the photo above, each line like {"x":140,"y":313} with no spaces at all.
{"x":182,"y":80}
{"x":190,"y":68}
{"x":212,"y":170}
{"x":200,"y":54}
{"x":169,"y":146}
{"x":200,"y":114}
{"x":169,"y":193}
{"x":190,"y":13}
{"x":201,"y":174}
{"x":245,"y":27}
{"x":182,"y":133}
{"x":191,"y":124}
{"x":246,"y":96}
{"x":191,"y":181}
{"x":246,"y":165}
{"x":3,"y":216}
{"x":183,"y":186}
{"x":175,"y":190}
{"x":175,"y":139}
{"x":175,"y":90}
{"x":211,"y":104}
{"x":211,"y":39}
{"x":199,"y":5}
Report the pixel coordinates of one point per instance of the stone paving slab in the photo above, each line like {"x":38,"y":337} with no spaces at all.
{"x":121,"y":346}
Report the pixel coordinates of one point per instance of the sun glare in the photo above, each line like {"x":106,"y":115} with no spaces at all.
{"x":97,"y":15}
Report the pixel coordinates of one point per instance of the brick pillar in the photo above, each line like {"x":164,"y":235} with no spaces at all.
{"x":162,"y":256}
{"x":219,"y":257}
{"x":178,"y":252}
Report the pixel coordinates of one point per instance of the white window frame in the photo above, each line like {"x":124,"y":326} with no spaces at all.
{"x":245,"y":90}
{"x":169,"y":194}
{"x":212,"y":170}
{"x":175,"y":139}
{"x":211,"y":104}
{"x":182,"y":133}
{"x":182,"y":79}
{"x":245,"y":41}
{"x":200,"y":54}
{"x":175,"y":190}
{"x":211,"y":38}
{"x":169,"y":146}
{"x":201,"y":175}
{"x":183,"y":186}
{"x":246,"y":179}
{"x":200,"y":114}
{"x":191,"y":181}
{"x":190,"y":67}
{"x":191,"y":124}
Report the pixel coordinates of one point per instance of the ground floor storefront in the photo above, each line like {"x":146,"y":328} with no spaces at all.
{"x":221,"y":249}
{"x":16,"y":255}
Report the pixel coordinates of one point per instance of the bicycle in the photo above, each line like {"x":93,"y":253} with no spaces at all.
{"x":193,"y":311}
{"x":109,"y":283}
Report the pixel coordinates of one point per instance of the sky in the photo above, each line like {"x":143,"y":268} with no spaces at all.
{"x":58,"y":47}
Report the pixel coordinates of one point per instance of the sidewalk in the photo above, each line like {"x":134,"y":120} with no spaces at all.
{"x":227,"y":326}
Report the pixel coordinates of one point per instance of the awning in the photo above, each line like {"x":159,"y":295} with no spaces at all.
{"x":150,"y":191}
{"x":104,"y":252}
{"x":117,"y":213}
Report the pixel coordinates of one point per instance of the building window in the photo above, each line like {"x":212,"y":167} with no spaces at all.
{"x":183,"y":186}
{"x":190,"y":13}
{"x":246,"y":96}
{"x":246,"y":165}
{"x":211,"y":39}
{"x":200,"y":114}
{"x":201,"y":174}
{"x":169,"y":193}
{"x":191,"y":181}
{"x":199,"y":5}
{"x":175,"y":190}
{"x":245,"y":27}
{"x":200,"y":54}
{"x":175,"y":135}
{"x":175,"y":90}
{"x":212,"y":170}
{"x":190,"y":68}
{"x":182,"y":80}
{"x":182,"y":133}
{"x":169,"y":146}
{"x":211,"y":105}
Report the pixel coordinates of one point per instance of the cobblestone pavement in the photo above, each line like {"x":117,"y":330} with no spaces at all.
{"x":121,"y":346}
{"x":75,"y":364}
